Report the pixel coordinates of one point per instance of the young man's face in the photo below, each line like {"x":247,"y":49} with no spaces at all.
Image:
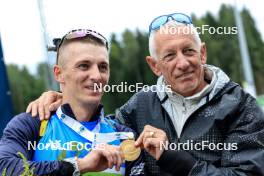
{"x":179,"y":60}
{"x":85,"y":65}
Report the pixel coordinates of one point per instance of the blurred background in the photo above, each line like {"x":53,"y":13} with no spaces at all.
{"x":28,"y":27}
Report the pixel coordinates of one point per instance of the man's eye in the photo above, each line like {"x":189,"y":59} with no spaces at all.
{"x":83,"y":66}
{"x":168,"y":56}
{"x":103,"y":68}
{"x":189,"y":51}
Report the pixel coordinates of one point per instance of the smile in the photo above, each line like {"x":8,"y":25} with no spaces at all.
{"x":184,"y":75}
{"x":91,"y":87}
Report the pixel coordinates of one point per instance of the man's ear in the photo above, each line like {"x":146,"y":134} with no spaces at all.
{"x":203,"y":54}
{"x":58,"y":74}
{"x":153,"y":64}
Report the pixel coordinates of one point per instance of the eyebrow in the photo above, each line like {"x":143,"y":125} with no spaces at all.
{"x":104,"y":63}
{"x":88,"y":61}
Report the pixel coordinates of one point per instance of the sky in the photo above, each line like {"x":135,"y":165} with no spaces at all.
{"x":22,"y":27}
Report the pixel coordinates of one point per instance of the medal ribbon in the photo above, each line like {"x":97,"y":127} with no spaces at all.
{"x":94,"y":136}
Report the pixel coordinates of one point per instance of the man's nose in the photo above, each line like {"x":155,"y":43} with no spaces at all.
{"x":95,"y":74}
{"x":182,"y":62}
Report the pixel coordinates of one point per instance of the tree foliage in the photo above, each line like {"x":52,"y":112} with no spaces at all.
{"x":24,"y":86}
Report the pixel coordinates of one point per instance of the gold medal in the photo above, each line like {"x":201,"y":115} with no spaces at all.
{"x":131,"y":153}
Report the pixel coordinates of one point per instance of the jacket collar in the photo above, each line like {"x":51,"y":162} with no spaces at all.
{"x":66,"y":109}
{"x":216,"y":78}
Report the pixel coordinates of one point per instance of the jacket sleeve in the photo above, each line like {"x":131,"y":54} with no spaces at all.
{"x":248,"y":159}
{"x":124,"y":114}
{"x":19,"y":133}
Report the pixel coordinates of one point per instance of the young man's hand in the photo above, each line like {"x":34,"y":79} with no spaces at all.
{"x":102,"y":157}
{"x":47,"y":102}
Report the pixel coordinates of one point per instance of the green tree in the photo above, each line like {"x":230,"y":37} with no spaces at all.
{"x":127,"y":65}
{"x":223,"y":50}
{"x":24,"y":86}
{"x":256,"y":49}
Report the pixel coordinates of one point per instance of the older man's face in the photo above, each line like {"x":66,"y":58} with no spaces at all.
{"x":86,"y":64}
{"x":180,"y":59}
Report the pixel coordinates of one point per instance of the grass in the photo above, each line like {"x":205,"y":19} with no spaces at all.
{"x":27,"y":170}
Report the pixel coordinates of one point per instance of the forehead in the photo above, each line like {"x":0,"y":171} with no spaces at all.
{"x":175,"y":36}
{"x":82,"y":51}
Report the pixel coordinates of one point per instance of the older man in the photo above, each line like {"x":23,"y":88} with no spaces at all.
{"x":196,"y":121}
{"x":78,"y":138}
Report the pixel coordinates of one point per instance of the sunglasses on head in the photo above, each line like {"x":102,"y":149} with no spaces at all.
{"x":81,"y":33}
{"x":163,"y":19}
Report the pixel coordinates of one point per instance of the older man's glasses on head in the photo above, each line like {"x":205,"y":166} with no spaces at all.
{"x":163,"y":19}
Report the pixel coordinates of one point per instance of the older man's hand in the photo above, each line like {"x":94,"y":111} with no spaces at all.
{"x":151,"y":139}
{"x":47,"y":102}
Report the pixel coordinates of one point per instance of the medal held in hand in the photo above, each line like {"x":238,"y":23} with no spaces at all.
{"x":131,"y":153}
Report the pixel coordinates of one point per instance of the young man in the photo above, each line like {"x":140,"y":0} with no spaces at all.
{"x":78,"y":138}
{"x":216,"y":126}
